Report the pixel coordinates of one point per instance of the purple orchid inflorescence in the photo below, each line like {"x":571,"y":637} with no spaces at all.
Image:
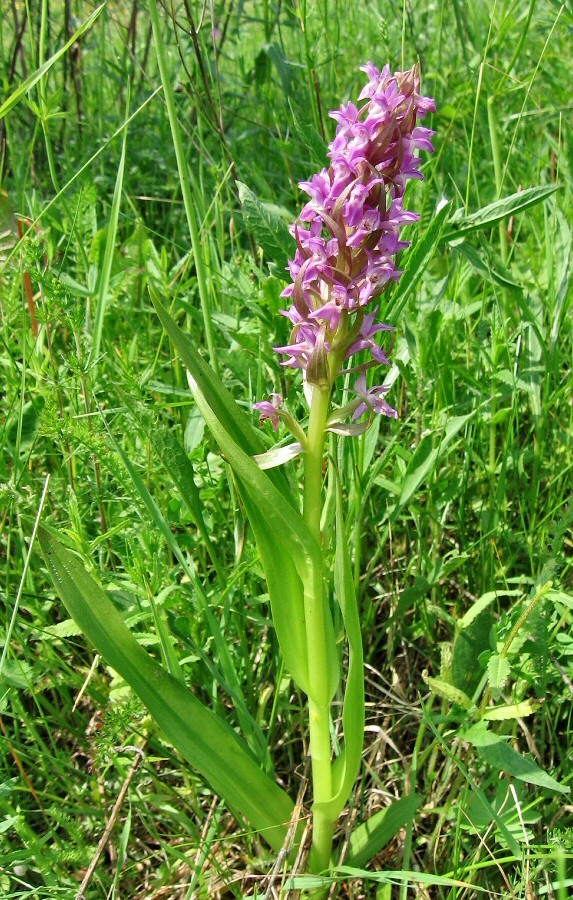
{"x":348,"y":234}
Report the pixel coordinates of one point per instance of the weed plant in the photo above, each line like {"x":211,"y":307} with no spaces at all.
{"x":459,"y":513}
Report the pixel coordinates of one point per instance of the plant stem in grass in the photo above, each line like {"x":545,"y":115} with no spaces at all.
{"x":314,"y":599}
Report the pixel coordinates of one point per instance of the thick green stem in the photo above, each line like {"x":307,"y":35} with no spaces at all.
{"x":314,"y":599}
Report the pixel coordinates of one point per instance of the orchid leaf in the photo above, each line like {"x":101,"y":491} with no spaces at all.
{"x":205,"y":740}
{"x":226,"y":410}
{"x":347,"y":766}
{"x":285,"y":544}
{"x":290,"y":555}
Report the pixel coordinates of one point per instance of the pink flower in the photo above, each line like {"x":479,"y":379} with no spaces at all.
{"x":269,"y":409}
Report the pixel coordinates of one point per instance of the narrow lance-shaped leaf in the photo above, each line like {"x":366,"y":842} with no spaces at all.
{"x":206,"y":741}
{"x":290,"y":555}
{"x":284,"y":542}
{"x":417,"y":262}
{"x":347,"y":766}
{"x":370,"y":837}
{"x":496,"y":211}
{"x":226,"y":410}
{"x":36,"y":76}
{"x":231,"y":681}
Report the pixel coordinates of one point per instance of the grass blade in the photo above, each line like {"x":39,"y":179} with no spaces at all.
{"x":105,"y":274}
{"x":36,"y":76}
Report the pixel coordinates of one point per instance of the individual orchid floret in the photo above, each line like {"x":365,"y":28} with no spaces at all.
{"x":269,"y":409}
{"x":372,"y":399}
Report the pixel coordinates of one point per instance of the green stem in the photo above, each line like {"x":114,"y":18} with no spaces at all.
{"x":184,"y":178}
{"x":492,"y":100}
{"x":314,"y":599}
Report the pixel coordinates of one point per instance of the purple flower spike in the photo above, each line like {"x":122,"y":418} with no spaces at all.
{"x":348,"y":232}
{"x":269,"y":409}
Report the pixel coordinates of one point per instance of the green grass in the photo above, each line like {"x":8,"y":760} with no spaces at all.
{"x":440,"y":515}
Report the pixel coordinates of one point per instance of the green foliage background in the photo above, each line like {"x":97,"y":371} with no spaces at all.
{"x":464,"y":501}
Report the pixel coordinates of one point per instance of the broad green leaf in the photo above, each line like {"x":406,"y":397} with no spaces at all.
{"x":230,"y":415}
{"x":495,"y":212}
{"x":36,"y":76}
{"x":267,"y":225}
{"x":285,"y":543}
{"x":418,"y":260}
{"x":498,"y":671}
{"x":347,"y":766}
{"x":370,"y":837}
{"x":494,"y":750}
{"x":290,"y":555}
{"x":205,"y":740}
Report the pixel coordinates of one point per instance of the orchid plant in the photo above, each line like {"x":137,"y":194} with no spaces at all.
{"x":347,"y":241}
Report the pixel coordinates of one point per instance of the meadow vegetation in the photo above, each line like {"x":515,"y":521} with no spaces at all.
{"x":459,"y":512}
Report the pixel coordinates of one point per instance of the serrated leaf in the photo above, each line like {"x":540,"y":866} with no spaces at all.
{"x":498,"y":671}
{"x":512,"y":710}
{"x":267,"y":225}
{"x":448,"y":692}
{"x":67,"y":628}
{"x":205,"y":740}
